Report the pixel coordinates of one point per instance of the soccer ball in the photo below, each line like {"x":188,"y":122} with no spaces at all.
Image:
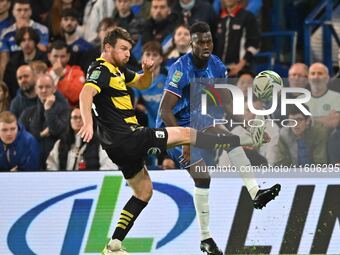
{"x":264,"y":83}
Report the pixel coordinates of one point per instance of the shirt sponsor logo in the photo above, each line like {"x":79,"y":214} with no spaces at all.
{"x":160,"y":134}
{"x":172,"y":84}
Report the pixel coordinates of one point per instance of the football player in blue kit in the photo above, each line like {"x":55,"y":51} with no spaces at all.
{"x":177,"y":110}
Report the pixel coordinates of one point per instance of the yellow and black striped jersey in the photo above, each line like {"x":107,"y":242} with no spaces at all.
{"x":113,"y":108}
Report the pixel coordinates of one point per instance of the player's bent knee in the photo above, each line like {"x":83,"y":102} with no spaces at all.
{"x":145,"y":194}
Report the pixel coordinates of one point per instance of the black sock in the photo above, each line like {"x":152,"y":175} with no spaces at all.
{"x":127,"y":217}
{"x":216,"y":141}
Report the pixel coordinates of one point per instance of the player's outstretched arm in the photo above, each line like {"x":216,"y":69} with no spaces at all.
{"x":85,"y":100}
{"x":144,"y":80}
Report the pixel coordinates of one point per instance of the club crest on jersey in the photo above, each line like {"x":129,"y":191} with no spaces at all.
{"x":177,"y":76}
{"x":95,"y":74}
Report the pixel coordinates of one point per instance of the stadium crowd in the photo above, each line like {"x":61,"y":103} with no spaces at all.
{"x":47,"y":46}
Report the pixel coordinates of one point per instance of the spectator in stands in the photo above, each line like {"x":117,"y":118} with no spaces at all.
{"x":245,"y":81}
{"x":26,"y":96}
{"x":271,"y":128}
{"x":71,"y":153}
{"x":333,"y":147}
{"x":95,"y":11}
{"x":54,"y":16}
{"x":47,"y":120}
{"x":324,"y":104}
{"x":150,"y":98}
{"x":123,"y":14}
{"x":22,"y":13}
{"x":38,"y":67}
{"x":68,"y":79}
{"x":77,"y":45}
{"x":237,"y":32}
{"x":180,"y":45}
{"x":303,"y":144}
{"x":105,"y":25}
{"x":160,"y":25}
{"x":5,"y":19}
{"x":27,"y":38}
{"x":4,"y":97}
{"x":297,"y":77}
{"x":19,"y":150}
{"x":68,"y":24}
{"x":191,"y":11}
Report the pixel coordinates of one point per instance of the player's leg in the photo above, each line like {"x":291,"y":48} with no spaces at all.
{"x":238,"y":158}
{"x":141,"y":186}
{"x":201,"y":201}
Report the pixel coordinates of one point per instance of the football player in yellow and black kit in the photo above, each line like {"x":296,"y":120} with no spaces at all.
{"x":125,"y":141}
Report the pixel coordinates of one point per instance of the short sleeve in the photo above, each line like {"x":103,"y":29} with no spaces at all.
{"x":98,"y":78}
{"x":176,"y":80}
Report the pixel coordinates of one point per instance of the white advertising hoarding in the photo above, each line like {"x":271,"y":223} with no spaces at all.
{"x":72,"y":213}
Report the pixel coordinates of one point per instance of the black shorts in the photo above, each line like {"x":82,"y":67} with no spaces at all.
{"x":131,"y":152}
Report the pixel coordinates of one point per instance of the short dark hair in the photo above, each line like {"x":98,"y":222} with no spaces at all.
{"x":292,"y":109}
{"x":246,"y":71}
{"x":153,"y":46}
{"x":59,"y":45}
{"x":199,"y":27}
{"x":117,"y":33}
{"x":21,"y":2}
{"x":70,"y":12}
{"x":20,"y":33}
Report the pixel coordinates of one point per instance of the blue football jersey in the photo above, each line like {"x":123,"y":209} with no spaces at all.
{"x":180,"y":77}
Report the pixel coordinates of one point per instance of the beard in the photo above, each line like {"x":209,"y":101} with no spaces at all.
{"x":28,"y":89}
{"x":70,"y":32}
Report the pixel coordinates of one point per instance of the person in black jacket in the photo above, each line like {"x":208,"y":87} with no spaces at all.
{"x":237,"y":37}
{"x":47,"y":120}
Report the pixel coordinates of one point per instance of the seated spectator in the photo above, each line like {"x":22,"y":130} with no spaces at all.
{"x":150,"y":98}
{"x":95,"y":11}
{"x":26,"y":96}
{"x":304,"y":144}
{"x":122,"y":14}
{"x":48,"y":119}
{"x":271,"y":128}
{"x":71,"y":153}
{"x":54,"y":16}
{"x":105,"y":25}
{"x":27,"y":38}
{"x":5,"y":19}
{"x":68,"y":24}
{"x":192,"y":11}
{"x":38,"y":67}
{"x":22,"y":12}
{"x":4,"y":97}
{"x":160,"y":25}
{"x":324,"y":104}
{"x":298,"y":78}
{"x":180,"y":45}
{"x":333,"y":147}
{"x":239,"y":27}
{"x":19,"y":150}
{"x":68,"y":79}
{"x":245,"y":81}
